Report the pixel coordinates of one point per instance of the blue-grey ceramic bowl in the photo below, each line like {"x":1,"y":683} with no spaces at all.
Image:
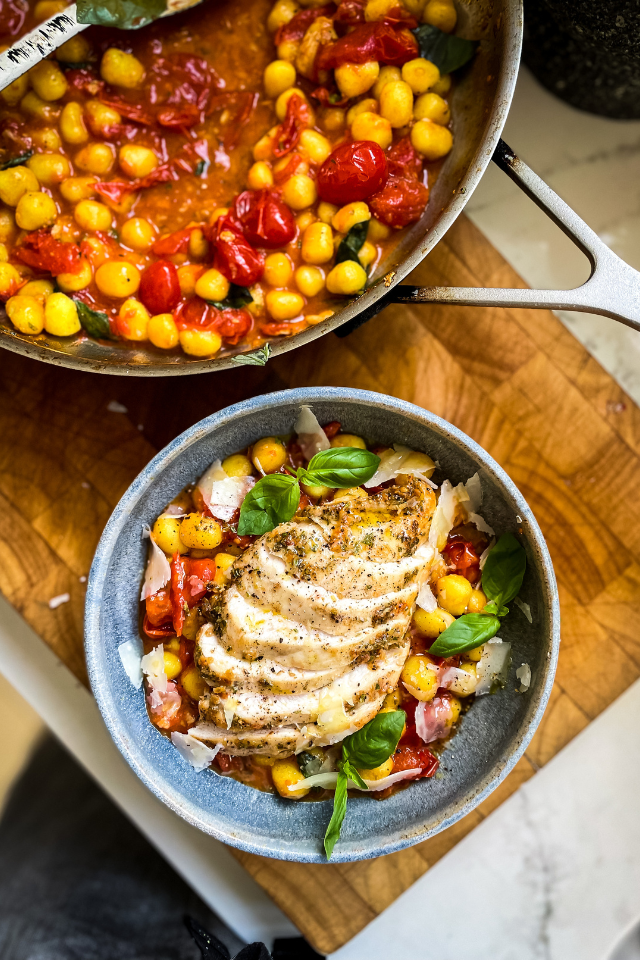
{"x":493,"y":734}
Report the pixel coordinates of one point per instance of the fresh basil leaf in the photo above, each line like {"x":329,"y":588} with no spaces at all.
{"x":465,"y":633}
{"x":273,"y":500}
{"x":83,"y":65}
{"x":94,"y":322}
{"x":353,"y":774}
{"x":449,"y":53}
{"x":376,"y":741}
{"x":504,"y":570}
{"x":340,"y":467}
{"x":338,"y":815}
{"x":199,"y":170}
{"x":236,"y":298}
{"x":495,"y":609}
{"x":125,"y":14}
{"x":17,"y":161}
{"x":257,"y":359}
{"x":351,"y":245}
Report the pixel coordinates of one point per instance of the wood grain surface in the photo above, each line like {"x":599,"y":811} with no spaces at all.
{"x":514,"y":380}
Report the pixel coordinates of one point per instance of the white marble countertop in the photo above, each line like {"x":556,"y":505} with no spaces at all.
{"x":554,"y":873}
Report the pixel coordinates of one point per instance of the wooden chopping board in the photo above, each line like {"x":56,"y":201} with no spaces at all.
{"x":514,"y":380}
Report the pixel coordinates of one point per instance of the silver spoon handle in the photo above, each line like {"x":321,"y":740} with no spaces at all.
{"x":38,"y":44}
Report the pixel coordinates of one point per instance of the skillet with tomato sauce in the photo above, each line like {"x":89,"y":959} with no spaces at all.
{"x":218,"y":179}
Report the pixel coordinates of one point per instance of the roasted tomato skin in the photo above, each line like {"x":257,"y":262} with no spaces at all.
{"x":160,"y":288}
{"x":400,"y":202}
{"x":354,"y":171}
{"x":233,"y":325}
{"x":235,"y":258}
{"x":462,"y":555}
{"x":265,"y":218}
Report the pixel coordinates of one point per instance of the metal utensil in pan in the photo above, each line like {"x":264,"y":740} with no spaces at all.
{"x":480,"y":104}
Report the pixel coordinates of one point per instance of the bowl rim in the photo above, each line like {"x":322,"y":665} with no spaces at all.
{"x":119,"y":519}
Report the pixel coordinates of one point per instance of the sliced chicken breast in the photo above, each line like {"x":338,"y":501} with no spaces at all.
{"x":309,"y":635}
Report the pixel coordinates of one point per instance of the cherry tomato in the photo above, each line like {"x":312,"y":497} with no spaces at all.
{"x":43,"y":252}
{"x":296,"y":120}
{"x":159,"y":609}
{"x":265,"y":219}
{"x":370,"y":41}
{"x":235,"y":258}
{"x":195,"y":313}
{"x":354,"y":171}
{"x":408,"y":758}
{"x":159,"y":288}
{"x":296,"y":28}
{"x":350,"y":11}
{"x":233,"y":325}
{"x":157,"y":632}
{"x":178,"y":593}
{"x":400,"y":202}
{"x":177,"y":242}
{"x":462,"y":555}
{"x":404,"y":160}
{"x":198,"y":573}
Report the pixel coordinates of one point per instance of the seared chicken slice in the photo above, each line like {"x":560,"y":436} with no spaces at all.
{"x":309,"y":635}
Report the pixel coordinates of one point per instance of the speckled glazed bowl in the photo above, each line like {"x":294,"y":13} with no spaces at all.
{"x":493,"y":734}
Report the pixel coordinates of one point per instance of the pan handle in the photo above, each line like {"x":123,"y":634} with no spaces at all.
{"x":612,"y":290}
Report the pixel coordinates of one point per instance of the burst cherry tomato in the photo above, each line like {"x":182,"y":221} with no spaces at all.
{"x":195,"y":313}
{"x":354,"y":171}
{"x":370,"y":41}
{"x":462,"y":555}
{"x":235,"y":258}
{"x":404,"y":160}
{"x":159,"y":288}
{"x":159,"y":608}
{"x":233,"y":325}
{"x":400,"y":202}
{"x":43,"y":252}
{"x":266,"y":220}
{"x":410,"y":758}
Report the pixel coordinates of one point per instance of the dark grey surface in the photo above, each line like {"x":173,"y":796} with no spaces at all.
{"x":77,"y":880}
{"x":586,"y":52}
{"x":494,"y":733}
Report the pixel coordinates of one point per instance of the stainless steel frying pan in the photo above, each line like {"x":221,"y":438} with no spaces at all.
{"x":481,"y":101}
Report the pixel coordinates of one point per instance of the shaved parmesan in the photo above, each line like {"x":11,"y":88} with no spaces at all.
{"x":523,"y":673}
{"x":198,"y":754}
{"x":153,"y":668}
{"x":445,"y":512}
{"x":130,"y":657}
{"x":158,"y":572}
{"x":493,"y":665}
{"x":223,"y":494}
{"x":433,"y":719}
{"x":526,"y":609}
{"x":311,"y":436}
{"x":59,"y":600}
{"x":402,"y":459}
{"x":425,"y":599}
{"x":458,"y":681}
{"x":229,"y":709}
{"x":485,"y":554}
{"x":473,"y":488}
{"x":164,"y":704}
{"x":174,"y":510}
{"x":328,"y":781}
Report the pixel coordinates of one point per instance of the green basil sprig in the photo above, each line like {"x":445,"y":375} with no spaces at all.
{"x":367,"y":748}
{"x":125,"y":14}
{"x":257,"y":359}
{"x":503,"y":574}
{"x":448,"y":52}
{"x":352,"y":244}
{"x":339,"y":467}
{"x":501,"y":581}
{"x":275,"y":498}
{"x":236,"y":298}
{"x":95,"y":322}
{"x":17,"y":161}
